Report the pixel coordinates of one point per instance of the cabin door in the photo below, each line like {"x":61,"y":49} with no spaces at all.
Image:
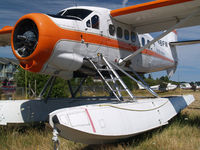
{"x":93,"y":39}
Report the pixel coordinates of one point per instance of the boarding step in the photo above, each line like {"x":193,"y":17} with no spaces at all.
{"x":120,"y":90}
{"x":114,"y":79}
{"x":111,"y":80}
{"x":104,"y":69}
{"x":142,"y":83}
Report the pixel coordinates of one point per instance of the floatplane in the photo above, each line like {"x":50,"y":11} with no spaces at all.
{"x":167,"y":87}
{"x":92,"y":41}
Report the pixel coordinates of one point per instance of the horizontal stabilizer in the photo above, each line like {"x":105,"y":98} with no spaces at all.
{"x":5,"y":36}
{"x":181,"y":43}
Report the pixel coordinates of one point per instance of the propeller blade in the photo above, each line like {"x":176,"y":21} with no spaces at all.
{"x":21,"y":37}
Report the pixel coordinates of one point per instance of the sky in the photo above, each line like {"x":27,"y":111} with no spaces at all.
{"x":189,"y":64}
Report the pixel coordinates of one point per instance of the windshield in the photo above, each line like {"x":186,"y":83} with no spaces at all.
{"x":74,"y":14}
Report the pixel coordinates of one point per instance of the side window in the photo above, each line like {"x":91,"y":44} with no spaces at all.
{"x":148,"y":41}
{"x":88,"y":23}
{"x":133,"y":36}
{"x":95,"y":22}
{"x":126,"y":34}
{"x":143,"y":41}
{"x":112,"y":29}
{"x":166,"y":44}
{"x":119,"y":32}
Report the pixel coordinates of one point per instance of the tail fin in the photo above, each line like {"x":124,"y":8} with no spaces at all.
{"x":172,"y":37}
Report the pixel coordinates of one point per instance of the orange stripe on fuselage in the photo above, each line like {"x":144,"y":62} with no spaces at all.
{"x":145,"y":6}
{"x":152,"y":53}
{"x":113,"y":43}
{"x":105,"y":41}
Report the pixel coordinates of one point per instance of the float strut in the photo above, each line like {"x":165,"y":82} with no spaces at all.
{"x":55,"y":139}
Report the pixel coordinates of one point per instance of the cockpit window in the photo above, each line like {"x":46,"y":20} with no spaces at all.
{"x":88,"y":23}
{"x":95,"y":22}
{"x":60,"y":13}
{"x":79,"y":13}
{"x":74,"y":14}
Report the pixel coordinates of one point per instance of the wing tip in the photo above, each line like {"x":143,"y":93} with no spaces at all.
{"x":6,"y":29}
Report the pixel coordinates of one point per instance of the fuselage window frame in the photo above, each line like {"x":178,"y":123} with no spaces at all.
{"x":95,"y":22}
{"x":119,"y":32}
{"x":111,"y":29}
{"x":133,"y":36}
{"x":126,"y":35}
{"x":143,"y":41}
{"x":88,"y":24}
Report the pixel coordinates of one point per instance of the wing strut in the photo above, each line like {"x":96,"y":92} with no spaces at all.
{"x":143,"y":83}
{"x":129,"y":57}
{"x":50,"y":82}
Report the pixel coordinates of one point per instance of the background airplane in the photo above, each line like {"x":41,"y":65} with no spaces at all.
{"x":168,"y":87}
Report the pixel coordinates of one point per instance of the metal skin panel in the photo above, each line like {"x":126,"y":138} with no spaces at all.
{"x":110,"y":122}
{"x":64,"y":60}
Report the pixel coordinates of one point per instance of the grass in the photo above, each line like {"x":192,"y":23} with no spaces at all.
{"x":182,"y":132}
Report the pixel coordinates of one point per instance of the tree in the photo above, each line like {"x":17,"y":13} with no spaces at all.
{"x":150,"y":77}
{"x":164,"y":79}
{"x":60,"y":88}
{"x":130,"y":83}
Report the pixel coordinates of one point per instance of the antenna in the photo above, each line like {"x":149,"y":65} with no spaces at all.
{"x":75,"y":4}
{"x":124,"y":3}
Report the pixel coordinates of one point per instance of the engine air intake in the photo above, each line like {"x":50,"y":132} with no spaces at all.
{"x":25,"y":38}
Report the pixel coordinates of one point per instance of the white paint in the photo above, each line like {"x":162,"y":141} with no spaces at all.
{"x":113,"y":121}
{"x":82,"y":121}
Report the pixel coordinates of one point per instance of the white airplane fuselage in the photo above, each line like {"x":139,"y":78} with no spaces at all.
{"x":72,"y":39}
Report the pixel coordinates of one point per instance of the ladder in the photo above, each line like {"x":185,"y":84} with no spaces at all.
{"x":114,"y":78}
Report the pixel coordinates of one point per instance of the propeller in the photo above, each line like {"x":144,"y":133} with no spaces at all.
{"x":28,"y":42}
{"x":26,"y":38}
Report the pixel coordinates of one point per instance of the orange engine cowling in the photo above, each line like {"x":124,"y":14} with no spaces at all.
{"x":34,"y":41}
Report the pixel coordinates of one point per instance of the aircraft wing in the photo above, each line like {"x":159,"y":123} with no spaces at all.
{"x":158,"y":15}
{"x":5,"y":36}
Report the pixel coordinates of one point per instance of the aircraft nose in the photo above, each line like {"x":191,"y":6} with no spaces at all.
{"x":33,"y":40}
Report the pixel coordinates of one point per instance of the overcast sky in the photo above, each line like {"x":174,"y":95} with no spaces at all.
{"x":189,"y":62}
